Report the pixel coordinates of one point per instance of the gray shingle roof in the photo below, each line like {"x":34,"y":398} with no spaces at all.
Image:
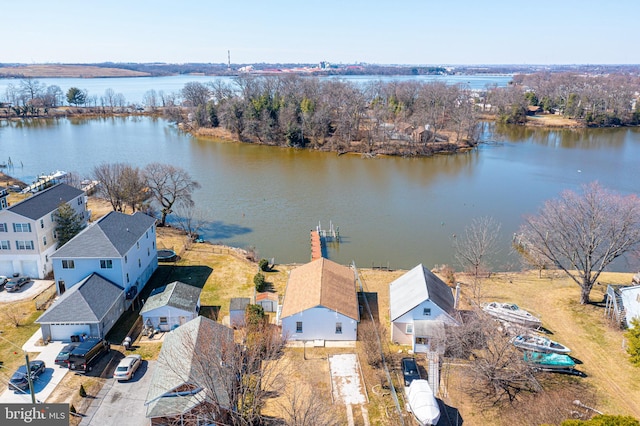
{"x":176,"y":294}
{"x":416,"y":286}
{"x":44,"y":202}
{"x":239,"y":303}
{"x":86,"y":302}
{"x":190,"y":358}
{"x":111,"y":236}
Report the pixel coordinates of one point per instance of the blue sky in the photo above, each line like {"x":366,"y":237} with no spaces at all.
{"x":384,"y":32}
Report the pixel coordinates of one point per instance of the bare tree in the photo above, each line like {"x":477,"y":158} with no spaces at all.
{"x":497,"y":372}
{"x":478,"y":243}
{"x":581,"y":234}
{"x":133,"y":187}
{"x":233,"y":380}
{"x":109,"y":176}
{"x":169,"y":186}
{"x":190,"y":220}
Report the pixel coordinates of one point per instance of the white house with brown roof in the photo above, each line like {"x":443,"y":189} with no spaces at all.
{"x":320,"y":303}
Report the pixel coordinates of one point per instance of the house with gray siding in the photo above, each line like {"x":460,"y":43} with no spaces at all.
{"x":120,"y":247}
{"x":27,"y":230}
{"x":89,"y":308}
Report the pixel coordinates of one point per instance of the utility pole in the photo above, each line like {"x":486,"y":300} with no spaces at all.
{"x":31,"y":391}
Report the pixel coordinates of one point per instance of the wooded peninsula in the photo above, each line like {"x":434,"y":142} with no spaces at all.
{"x":406,"y":118}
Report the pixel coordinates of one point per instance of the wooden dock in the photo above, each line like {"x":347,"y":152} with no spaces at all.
{"x":316,"y":246}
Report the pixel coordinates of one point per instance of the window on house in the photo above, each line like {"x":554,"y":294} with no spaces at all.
{"x":55,"y":235}
{"x":21,"y":227}
{"x":409,"y":329}
{"x":139,"y":263}
{"x":80,"y":201}
{"x":148,"y":252}
{"x":106,"y":264}
{"x":154,"y":245}
{"x":53,"y":218}
{"x":41,"y":223}
{"x":3,"y":227}
{"x":125,"y":259}
{"x":44,"y":240}
{"x":338,"y":328}
{"x":24,"y":245}
{"x":147,"y":233}
{"x":5,"y":245}
{"x":426,"y":312}
{"x":127,"y":277}
{"x":163,"y":320}
{"x":68,"y":264}
{"x":137,"y":244}
{"x":299,"y":327}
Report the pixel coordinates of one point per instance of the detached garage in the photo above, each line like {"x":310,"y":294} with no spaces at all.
{"x":91,"y":308}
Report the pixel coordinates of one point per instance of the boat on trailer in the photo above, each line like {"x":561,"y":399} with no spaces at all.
{"x":422,"y":403}
{"x":539,"y":344}
{"x":512,"y":313}
{"x":549,"y":361}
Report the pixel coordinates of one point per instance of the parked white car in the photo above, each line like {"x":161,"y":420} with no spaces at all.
{"x":127,"y":367}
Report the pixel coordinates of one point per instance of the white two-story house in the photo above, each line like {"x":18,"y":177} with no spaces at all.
{"x":119,"y":247}
{"x":27,"y":230}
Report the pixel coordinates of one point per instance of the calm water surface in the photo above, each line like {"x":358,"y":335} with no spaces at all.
{"x":134,"y":88}
{"x":389,"y":210}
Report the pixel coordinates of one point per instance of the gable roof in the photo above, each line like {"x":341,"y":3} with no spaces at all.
{"x":111,"y":236}
{"x":321,"y":283}
{"x":176,"y":294}
{"x":87,"y":302}
{"x":416,"y":286}
{"x":44,"y":202}
{"x":190,"y":359}
{"x":239,"y":303}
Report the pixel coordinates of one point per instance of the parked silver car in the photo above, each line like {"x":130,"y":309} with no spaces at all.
{"x":127,"y":367}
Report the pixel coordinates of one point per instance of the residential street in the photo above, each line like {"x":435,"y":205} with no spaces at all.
{"x":122,"y":403}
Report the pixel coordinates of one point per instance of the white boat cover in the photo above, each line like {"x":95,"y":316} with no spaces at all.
{"x":422,"y":403}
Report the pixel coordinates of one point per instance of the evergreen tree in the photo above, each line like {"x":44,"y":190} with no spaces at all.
{"x":633,"y":339}
{"x":68,"y":223}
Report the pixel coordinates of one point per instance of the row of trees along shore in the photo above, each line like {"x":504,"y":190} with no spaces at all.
{"x":396,"y":117}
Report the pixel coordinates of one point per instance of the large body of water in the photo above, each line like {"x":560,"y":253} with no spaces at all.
{"x":400,"y":211}
{"x":134,"y":88}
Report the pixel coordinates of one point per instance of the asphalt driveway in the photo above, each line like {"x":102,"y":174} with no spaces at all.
{"x":122,"y":403}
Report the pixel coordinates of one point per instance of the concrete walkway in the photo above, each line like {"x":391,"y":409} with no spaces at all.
{"x":47,"y":382}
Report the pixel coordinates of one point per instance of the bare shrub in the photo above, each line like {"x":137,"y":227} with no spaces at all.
{"x":369,"y":333}
{"x":303,"y":407}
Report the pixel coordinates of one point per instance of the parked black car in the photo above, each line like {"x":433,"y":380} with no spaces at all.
{"x":20,"y":381}
{"x":16,"y":283}
{"x":88,"y":352}
{"x":3,"y":281}
{"x":62,"y":358}
{"x":409,"y":370}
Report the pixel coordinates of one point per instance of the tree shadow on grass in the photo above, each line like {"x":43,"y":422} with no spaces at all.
{"x":210,"y":311}
{"x":219,"y":230}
